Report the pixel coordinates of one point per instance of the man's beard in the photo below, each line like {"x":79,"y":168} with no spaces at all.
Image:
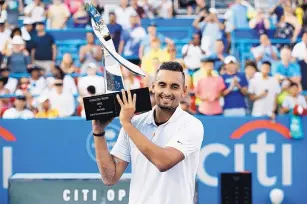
{"x":166,"y":108}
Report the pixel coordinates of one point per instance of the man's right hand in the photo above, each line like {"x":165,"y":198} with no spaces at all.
{"x":99,"y":126}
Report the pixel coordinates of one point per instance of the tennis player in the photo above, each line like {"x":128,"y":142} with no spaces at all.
{"x":162,"y":145}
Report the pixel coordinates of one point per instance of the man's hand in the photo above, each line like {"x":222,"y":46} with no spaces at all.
{"x":99,"y":126}
{"x":128,"y":107}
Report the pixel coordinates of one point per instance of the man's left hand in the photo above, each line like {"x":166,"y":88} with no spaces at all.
{"x":128,"y":107}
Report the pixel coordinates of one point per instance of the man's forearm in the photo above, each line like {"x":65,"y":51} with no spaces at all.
{"x":105,"y":161}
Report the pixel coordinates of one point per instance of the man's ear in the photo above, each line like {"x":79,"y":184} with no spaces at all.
{"x":153,"y":88}
{"x":185,"y":90}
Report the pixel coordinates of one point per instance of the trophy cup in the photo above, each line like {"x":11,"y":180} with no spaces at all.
{"x":106,"y":106}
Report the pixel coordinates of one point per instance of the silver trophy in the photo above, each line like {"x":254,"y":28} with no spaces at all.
{"x":106,"y":106}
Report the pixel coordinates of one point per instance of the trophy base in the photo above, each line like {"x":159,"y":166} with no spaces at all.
{"x":106,"y":106}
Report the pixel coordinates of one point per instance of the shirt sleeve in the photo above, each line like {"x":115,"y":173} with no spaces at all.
{"x":251,"y":89}
{"x":222,"y":85}
{"x":295,"y":70}
{"x":295,"y":51}
{"x":188,"y":139}
{"x":121,"y":148}
{"x":285,"y":103}
{"x":243,"y":82}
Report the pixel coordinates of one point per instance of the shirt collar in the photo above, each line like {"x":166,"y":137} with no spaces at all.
{"x":151,"y":118}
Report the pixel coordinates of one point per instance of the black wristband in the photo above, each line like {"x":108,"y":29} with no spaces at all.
{"x":100,"y":134}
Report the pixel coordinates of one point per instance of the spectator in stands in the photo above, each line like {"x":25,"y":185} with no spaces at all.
{"x":148,"y":8}
{"x":18,"y":60}
{"x":36,"y":11}
{"x":287,"y":69}
{"x":11,"y":83}
{"x":73,"y":5}
{"x":152,"y":34}
{"x":81,"y":18}
{"x":61,"y":100}
{"x":288,"y":27}
{"x":130,"y":80}
{"x":91,"y":79}
{"x":115,"y":30}
{"x":278,"y":9}
{"x":7,"y":50}
{"x":3,"y":13}
{"x":265,"y":51}
{"x":13,"y":9}
{"x":264,"y":90}
{"x":69,"y":85}
{"x":4,"y":102}
{"x":58,"y":14}
{"x":131,"y":39}
{"x":209,"y":89}
{"x":44,"y":49}
{"x":68,"y":66}
{"x":165,"y":9}
{"x":293,"y":99}
{"x":90,"y":53}
{"x":260,"y":22}
{"x":139,"y":9}
{"x":236,"y":89}
{"x":192,"y":53}
{"x":303,"y":66}
{"x":123,"y":13}
{"x":155,"y":53}
{"x":219,"y":55}
{"x":4,"y":37}
{"x":300,"y":49}
{"x":3,"y":89}
{"x":210,"y":28}
{"x":239,"y":15}
{"x":91,"y":91}
{"x":37,"y":81}
{"x":45,"y":110}
{"x":251,"y":70}
{"x":19,"y":111}
{"x":27,"y":31}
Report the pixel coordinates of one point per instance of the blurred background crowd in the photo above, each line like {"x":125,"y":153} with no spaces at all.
{"x":39,"y":80}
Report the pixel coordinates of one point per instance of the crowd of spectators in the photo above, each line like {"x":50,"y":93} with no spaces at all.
{"x":272,"y":82}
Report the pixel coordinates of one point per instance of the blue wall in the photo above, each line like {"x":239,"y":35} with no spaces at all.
{"x":64,"y":146}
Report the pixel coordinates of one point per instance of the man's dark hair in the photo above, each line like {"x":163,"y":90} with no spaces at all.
{"x":91,"y":90}
{"x":267,"y":63}
{"x":251,"y":64}
{"x":172,"y":66}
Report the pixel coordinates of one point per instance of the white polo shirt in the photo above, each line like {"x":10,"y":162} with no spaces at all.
{"x":177,"y":185}
{"x":300,"y":51}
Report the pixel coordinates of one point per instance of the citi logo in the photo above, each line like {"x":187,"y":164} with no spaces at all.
{"x":258,"y":154}
{"x":7,"y":156}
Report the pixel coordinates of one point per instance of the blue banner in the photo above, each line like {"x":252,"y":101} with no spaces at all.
{"x":230,"y":145}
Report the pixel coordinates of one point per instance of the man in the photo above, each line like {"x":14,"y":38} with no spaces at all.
{"x":123,"y":12}
{"x":163,"y":145}
{"x":287,"y":69}
{"x":61,"y":100}
{"x":44,"y":51}
{"x":219,"y":55}
{"x":58,"y":14}
{"x":91,"y":79}
{"x":263,"y":90}
{"x":192,"y":53}
{"x":293,"y":99}
{"x":209,"y":89}
{"x":20,"y":110}
{"x":211,"y":30}
{"x":115,"y":29}
{"x":265,"y":51}
{"x":131,"y":39}
{"x":152,"y":34}
{"x":90,"y":53}
{"x":300,"y":49}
